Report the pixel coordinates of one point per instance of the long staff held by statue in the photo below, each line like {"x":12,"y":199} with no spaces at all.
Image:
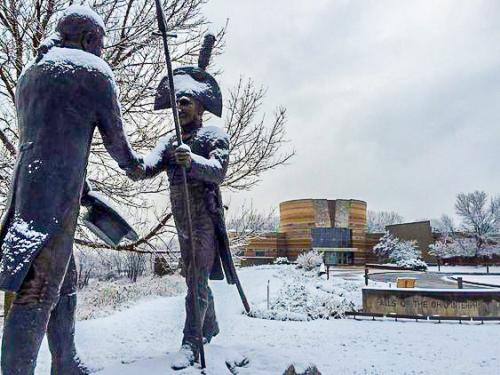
{"x":162,"y":25}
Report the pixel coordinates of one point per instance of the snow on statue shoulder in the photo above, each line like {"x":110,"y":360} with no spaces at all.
{"x":66,"y":60}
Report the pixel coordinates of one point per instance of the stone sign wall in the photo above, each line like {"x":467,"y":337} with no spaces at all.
{"x":428,"y":302}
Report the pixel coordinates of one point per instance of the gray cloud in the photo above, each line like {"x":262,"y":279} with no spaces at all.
{"x":393,"y":102}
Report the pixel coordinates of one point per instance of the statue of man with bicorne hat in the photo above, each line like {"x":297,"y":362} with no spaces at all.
{"x":205,"y":155}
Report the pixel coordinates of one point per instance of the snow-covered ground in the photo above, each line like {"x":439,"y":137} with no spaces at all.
{"x":482,"y":279}
{"x":137,"y":340}
{"x":465,"y":269}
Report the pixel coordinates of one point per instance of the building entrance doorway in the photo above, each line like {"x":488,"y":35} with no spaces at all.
{"x":344,"y":258}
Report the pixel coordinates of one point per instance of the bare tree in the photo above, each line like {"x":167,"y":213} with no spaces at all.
{"x":378,"y":220}
{"x":480,"y":218}
{"x":134,"y":52}
{"x":256,"y":147}
{"x":247,"y":223}
{"x":475,"y":236}
{"x":136,"y":265}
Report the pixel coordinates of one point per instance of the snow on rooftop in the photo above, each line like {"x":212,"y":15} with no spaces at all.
{"x":84,"y":11}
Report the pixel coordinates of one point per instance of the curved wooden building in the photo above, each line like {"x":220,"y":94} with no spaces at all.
{"x":335,"y":226}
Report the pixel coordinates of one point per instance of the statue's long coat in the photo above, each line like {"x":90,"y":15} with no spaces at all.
{"x":60,"y":100}
{"x":210,"y":149}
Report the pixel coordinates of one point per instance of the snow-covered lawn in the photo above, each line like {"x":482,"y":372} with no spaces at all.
{"x":465,"y":269}
{"x":482,"y":279}
{"x":136,"y":340}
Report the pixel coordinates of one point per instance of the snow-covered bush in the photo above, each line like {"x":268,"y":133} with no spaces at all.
{"x":309,"y":260}
{"x":386,"y":245}
{"x":407,"y":254}
{"x":281,"y":260}
{"x":302,"y":298}
{"x":404,"y":253}
{"x":413,"y":263}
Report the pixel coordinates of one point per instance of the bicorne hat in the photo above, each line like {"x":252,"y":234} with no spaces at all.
{"x":195,"y":82}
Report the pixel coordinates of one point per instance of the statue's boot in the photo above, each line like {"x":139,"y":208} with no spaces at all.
{"x":61,"y":338}
{"x":22,"y":336}
{"x":185,"y":357}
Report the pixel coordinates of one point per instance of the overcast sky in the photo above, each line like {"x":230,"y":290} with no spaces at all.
{"x":393,"y":102}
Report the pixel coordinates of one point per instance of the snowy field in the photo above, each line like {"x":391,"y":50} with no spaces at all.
{"x":465,"y":269}
{"x":482,"y":279}
{"x":137,"y":340}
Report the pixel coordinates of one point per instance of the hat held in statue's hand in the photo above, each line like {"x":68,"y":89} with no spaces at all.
{"x":105,"y":222}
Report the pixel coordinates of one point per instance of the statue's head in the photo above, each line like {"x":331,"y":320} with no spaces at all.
{"x":190,"y":111}
{"x":82,"y":28}
{"x":196,"y":90}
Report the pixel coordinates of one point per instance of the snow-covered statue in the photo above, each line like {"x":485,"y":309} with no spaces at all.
{"x":61,"y":97}
{"x":205,"y":154}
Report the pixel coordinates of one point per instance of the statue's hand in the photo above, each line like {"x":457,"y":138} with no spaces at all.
{"x":183,"y":156}
{"x":136,"y":172}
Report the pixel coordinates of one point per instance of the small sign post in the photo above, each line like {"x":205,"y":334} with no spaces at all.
{"x":330,"y":259}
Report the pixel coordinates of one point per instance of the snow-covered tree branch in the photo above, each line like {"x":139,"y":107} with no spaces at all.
{"x":475,"y":235}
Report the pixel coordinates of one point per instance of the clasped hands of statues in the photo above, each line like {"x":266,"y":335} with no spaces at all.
{"x":182,"y":156}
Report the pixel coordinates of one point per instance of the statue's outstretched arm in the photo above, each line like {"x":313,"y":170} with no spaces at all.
{"x":112,"y":132}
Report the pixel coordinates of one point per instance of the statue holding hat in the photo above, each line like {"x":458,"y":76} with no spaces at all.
{"x":63,"y":95}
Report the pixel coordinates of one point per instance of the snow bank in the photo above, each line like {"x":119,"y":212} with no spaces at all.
{"x":464,"y":269}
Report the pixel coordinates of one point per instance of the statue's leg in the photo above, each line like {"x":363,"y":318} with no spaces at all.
{"x":27,"y":320}
{"x":204,"y":240}
{"x":190,"y":330}
{"x":61,"y":329}
{"x":210,"y":325}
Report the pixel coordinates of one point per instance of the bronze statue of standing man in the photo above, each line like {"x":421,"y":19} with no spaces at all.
{"x":205,"y":155}
{"x":61,"y":98}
